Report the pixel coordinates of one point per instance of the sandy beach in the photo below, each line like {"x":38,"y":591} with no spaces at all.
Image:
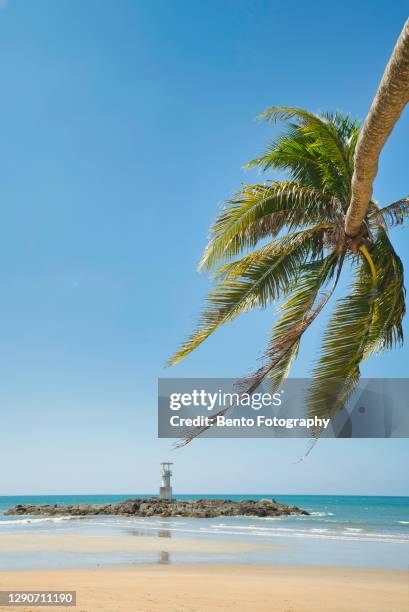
{"x":204,"y":587}
{"x":219,"y":587}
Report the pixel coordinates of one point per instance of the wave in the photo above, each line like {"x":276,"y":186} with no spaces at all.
{"x":317,"y":533}
{"x":328,"y":530}
{"x":27,"y":521}
{"x":343,"y":533}
{"x":353,"y":529}
{"x":321,"y":514}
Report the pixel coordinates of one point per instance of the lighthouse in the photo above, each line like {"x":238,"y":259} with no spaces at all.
{"x":165,"y":491}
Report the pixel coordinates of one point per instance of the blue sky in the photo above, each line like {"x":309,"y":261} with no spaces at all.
{"x":124,"y":126}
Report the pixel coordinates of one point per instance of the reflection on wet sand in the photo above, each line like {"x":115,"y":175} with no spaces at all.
{"x":137,"y":532}
{"x":164,"y":557}
{"x":161,"y":533}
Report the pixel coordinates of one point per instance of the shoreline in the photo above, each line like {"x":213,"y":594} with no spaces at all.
{"x":215,"y":587}
{"x":88,"y":543}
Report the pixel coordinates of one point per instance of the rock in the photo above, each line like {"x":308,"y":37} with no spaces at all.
{"x":153,"y":506}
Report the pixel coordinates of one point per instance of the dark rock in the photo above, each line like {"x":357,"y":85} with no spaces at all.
{"x":153,"y":506}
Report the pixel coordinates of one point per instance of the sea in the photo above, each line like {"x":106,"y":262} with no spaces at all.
{"x":341,"y":531}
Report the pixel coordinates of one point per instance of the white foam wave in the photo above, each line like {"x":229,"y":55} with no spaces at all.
{"x":230,"y":528}
{"x":347,"y":534}
{"x":353,"y":529}
{"x":325,"y":534}
{"x":28,"y":521}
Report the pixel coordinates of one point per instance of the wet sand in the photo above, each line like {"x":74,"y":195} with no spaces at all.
{"x":118,"y":543}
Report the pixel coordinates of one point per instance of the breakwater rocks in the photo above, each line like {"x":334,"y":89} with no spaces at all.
{"x":201,"y":508}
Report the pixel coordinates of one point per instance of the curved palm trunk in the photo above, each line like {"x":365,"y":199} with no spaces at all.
{"x":390,"y":100}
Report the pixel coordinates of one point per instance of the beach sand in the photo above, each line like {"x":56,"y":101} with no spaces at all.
{"x":209,"y":588}
{"x":205,"y":587}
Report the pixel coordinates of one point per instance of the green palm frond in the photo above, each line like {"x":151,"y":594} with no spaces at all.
{"x":346,"y":133}
{"x":367,"y":321}
{"x":292,"y":152}
{"x":330,"y":130}
{"x":296,"y":311}
{"x":386,"y":330}
{"x":301,"y":311}
{"x":259,"y":211}
{"x":258,"y":279}
{"x":345,"y":343}
{"x":394,"y":214}
{"x":316,"y":150}
{"x":312,"y":240}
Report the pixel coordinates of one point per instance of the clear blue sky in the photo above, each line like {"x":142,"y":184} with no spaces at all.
{"x":124,"y":125}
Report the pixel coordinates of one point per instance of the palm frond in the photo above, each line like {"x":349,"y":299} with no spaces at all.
{"x":367,"y":321}
{"x":316,"y":239}
{"x":316,"y":150}
{"x":392,"y":215}
{"x":259,"y":278}
{"x":345,"y":342}
{"x":386,"y":329}
{"x":302,"y":310}
{"x":259,"y":211}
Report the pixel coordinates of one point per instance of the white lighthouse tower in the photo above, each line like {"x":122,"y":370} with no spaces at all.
{"x":165,"y":491}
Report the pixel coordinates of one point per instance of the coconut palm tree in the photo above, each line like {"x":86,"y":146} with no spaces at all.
{"x":311,"y":226}
{"x":284,"y":241}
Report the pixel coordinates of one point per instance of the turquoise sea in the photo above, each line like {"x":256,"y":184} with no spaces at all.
{"x":343,"y":531}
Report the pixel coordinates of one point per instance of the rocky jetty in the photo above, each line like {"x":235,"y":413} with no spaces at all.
{"x":202,"y":508}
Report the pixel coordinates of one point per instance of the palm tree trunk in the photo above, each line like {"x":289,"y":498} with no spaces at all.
{"x":390,"y":100}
